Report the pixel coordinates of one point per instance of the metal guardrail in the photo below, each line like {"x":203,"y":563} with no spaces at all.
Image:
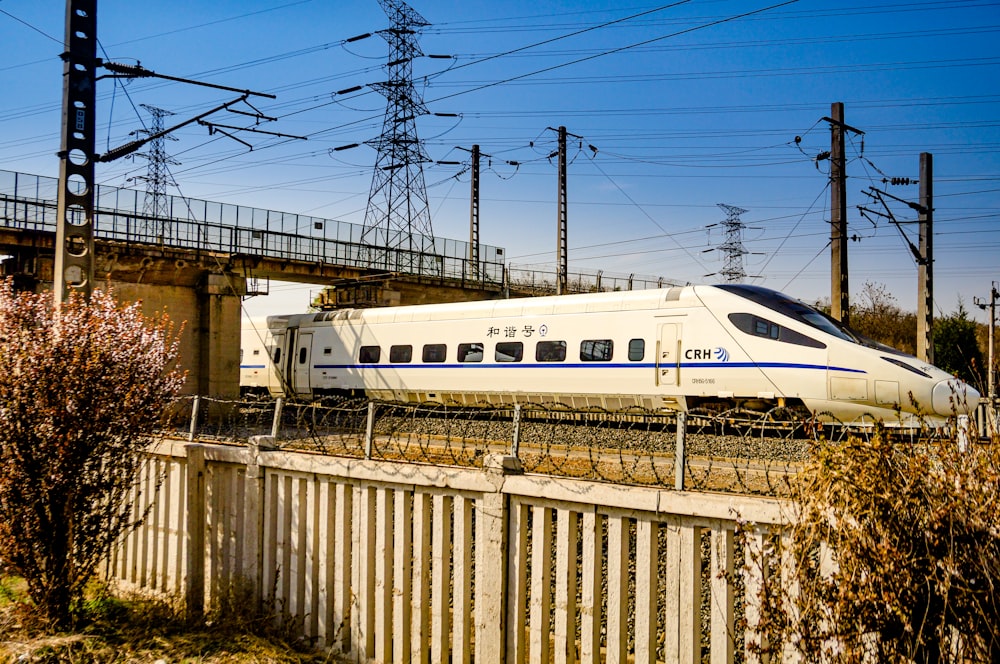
{"x":28,"y":202}
{"x":541,"y":280}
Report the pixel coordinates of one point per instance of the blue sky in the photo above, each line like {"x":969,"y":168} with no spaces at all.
{"x":687,"y":107}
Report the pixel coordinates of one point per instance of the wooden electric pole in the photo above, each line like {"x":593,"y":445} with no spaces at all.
{"x":925,"y":267}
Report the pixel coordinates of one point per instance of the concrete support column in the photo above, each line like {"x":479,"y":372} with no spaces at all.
{"x":195,"y":545}
{"x":491,"y":557}
{"x":218,"y":336}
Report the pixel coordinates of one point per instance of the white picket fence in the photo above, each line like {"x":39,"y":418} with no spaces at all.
{"x":387,"y":561}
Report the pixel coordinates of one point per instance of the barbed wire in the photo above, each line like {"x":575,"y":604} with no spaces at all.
{"x":733,"y":451}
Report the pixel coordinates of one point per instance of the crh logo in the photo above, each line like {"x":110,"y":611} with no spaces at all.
{"x":719,"y":353}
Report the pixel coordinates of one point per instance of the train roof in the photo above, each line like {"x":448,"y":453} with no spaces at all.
{"x":528,"y":306}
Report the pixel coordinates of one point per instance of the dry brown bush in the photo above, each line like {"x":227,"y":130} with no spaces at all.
{"x":893,"y":556}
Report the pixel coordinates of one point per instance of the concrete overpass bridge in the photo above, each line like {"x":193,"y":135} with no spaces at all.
{"x":199,"y":262}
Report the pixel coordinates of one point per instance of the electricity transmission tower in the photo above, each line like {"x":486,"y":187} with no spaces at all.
{"x":398,"y":220}
{"x":155,"y":211}
{"x":732,"y":247}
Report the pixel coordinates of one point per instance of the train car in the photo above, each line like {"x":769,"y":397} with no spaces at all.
{"x":708,"y":348}
{"x":256,"y":369}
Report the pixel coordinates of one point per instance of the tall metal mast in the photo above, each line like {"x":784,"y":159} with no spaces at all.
{"x":74,"y":250}
{"x":155,"y":209}
{"x":732,"y":247}
{"x":398,"y":215}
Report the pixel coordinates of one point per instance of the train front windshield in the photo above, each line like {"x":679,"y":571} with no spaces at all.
{"x":796,"y":309}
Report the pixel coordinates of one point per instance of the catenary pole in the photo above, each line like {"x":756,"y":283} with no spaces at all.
{"x":74,"y":250}
{"x":925,"y":268}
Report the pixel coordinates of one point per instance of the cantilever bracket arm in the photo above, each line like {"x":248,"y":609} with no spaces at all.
{"x":131,"y":147}
{"x":120,"y":70}
{"x":219,"y":127}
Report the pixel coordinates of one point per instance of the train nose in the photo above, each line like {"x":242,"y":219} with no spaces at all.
{"x":954,"y":396}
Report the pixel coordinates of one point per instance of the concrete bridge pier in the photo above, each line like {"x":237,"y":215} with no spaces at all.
{"x":218,"y":302}
{"x":210,"y":312}
{"x":197,"y":290}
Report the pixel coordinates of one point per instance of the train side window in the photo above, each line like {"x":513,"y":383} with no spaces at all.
{"x":470,"y":352}
{"x":303,"y":353}
{"x":509,"y":351}
{"x":435,"y":352}
{"x":596,"y":350}
{"x":636,"y":350}
{"x":400,"y":354}
{"x":761,"y":327}
{"x":550,"y":351}
{"x":765,"y":328}
{"x":277,"y":355}
{"x":368,"y":355}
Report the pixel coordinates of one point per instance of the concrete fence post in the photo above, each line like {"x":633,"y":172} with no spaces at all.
{"x":680,"y":455}
{"x":370,"y":430}
{"x":491,"y":561}
{"x":253,"y":515}
{"x":516,"y":441}
{"x":193,"y":431}
{"x":195,"y":546}
{"x":276,"y":422}
{"x":963,"y":433}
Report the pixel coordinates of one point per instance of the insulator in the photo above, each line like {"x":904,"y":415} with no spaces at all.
{"x":128,"y":70}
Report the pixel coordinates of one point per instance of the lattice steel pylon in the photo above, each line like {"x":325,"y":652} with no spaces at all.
{"x":155,"y":222}
{"x":397,"y":231}
{"x":732,"y":247}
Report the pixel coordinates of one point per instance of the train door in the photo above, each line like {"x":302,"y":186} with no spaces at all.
{"x":668,"y":355}
{"x":301,"y":364}
{"x":276,"y":375}
{"x":286,"y":360}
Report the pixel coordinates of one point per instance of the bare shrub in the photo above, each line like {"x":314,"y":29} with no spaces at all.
{"x":81,"y":385}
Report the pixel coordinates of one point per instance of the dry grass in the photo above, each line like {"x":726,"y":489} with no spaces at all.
{"x":135,"y":630}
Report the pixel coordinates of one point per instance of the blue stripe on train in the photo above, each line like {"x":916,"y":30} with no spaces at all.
{"x":591,"y":365}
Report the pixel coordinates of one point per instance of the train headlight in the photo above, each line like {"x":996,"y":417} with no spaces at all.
{"x":954,"y":396}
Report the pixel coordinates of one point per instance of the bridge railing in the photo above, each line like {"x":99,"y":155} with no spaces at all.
{"x":29,"y":202}
{"x":542,"y":280}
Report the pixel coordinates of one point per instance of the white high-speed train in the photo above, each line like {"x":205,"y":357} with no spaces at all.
{"x":682,"y":348}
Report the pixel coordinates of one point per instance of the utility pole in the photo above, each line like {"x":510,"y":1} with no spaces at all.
{"x":474,"y":216}
{"x":562,"y":247}
{"x":74,"y":250}
{"x":839,"y":288}
{"x":991,"y":397}
{"x":925,"y":266}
